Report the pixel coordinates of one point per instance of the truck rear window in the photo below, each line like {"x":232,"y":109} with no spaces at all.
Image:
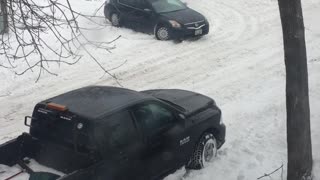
{"x":55,"y":128}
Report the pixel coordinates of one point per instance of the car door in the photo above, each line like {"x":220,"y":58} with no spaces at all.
{"x":162,"y":134}
{"x":144,"y":17}
{"x":135,"y":16}
{"x":127,"y":9}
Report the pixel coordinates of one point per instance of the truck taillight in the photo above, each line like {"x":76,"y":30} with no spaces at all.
{"x":57,"y":107}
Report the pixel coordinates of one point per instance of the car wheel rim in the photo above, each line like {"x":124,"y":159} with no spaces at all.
{"x":209,"y":152}
{"x":163,"y":33}
{"x":115,"y":20}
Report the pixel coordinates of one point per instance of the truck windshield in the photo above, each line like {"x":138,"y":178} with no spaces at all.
{"x":163,"y":6}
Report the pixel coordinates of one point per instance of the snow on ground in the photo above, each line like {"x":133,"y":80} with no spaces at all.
{"x":239,"y":64}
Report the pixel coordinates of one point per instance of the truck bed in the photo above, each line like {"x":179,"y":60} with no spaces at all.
{"x":7,"y":171}
{"x":45,"y":156}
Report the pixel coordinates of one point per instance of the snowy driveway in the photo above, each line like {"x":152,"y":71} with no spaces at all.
{"x":239,"y":64}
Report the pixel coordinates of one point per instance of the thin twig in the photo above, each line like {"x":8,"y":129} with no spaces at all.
{"x":30,"y":26}
{"x":95,"y":13}
{"x":5,"y":95}
{"x":268,"y":175}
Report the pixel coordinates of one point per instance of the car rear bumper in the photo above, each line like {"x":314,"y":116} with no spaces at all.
{"x":187,"y":33}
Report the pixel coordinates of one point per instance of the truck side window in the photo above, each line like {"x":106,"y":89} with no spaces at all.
{"x":153,"y":117}
{"x":116,"y":131}
{"x":122,"y":129}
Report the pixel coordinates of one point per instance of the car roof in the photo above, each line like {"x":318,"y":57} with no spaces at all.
{"x":95,"y":101}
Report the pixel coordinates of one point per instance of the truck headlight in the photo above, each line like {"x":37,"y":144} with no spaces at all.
{"x":175,"y":24}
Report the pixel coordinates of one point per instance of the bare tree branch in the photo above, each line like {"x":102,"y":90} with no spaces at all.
{"x":32,"y":23}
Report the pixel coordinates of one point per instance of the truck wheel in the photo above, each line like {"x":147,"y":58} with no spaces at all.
{"x":204,"y":153}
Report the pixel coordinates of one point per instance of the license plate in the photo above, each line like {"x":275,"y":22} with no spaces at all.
{"x":198,"y":32}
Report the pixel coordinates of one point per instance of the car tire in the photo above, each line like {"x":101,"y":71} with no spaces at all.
{"x":163,"y":33}
{"x":204,"y":153}
{"x":115,"y":19}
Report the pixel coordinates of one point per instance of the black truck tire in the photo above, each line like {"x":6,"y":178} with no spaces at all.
{"x":205,"y":151}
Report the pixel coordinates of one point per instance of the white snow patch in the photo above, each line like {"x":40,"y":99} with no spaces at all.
{"x":239,"y":64}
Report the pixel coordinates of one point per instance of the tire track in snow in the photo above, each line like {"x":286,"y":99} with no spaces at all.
{"x":239,"y":64}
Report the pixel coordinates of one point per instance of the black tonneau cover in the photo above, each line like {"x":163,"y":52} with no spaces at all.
{"x":190,"y":101}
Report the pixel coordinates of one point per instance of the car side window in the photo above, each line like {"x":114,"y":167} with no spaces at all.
{"x":153,"y":117}
{"x":127,"y":2}
{"x":141,"y":4}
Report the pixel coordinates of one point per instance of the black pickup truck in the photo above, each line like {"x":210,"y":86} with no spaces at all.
{"x":99,"y":133}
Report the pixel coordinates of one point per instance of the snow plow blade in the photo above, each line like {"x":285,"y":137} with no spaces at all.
{"x":16,"y":149}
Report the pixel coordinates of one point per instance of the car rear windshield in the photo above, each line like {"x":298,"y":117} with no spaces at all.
{"x":163,"y":6}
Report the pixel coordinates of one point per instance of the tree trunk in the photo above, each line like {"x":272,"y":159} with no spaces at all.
{"x":297,"y":91}
{"x":4,"y":14}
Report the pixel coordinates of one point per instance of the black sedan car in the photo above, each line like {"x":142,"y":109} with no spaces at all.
{"x":166,"y":19}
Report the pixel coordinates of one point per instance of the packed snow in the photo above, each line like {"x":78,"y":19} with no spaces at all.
{"x":239,"y":64}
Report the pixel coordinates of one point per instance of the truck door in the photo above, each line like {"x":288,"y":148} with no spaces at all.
{"x":120,"y":146}
{"x":162,"y":132}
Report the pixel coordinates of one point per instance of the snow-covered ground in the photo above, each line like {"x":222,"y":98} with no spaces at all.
{"x":239,"y":64}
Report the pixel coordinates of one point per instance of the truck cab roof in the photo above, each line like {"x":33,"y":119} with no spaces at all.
{"x":94,"y":101}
